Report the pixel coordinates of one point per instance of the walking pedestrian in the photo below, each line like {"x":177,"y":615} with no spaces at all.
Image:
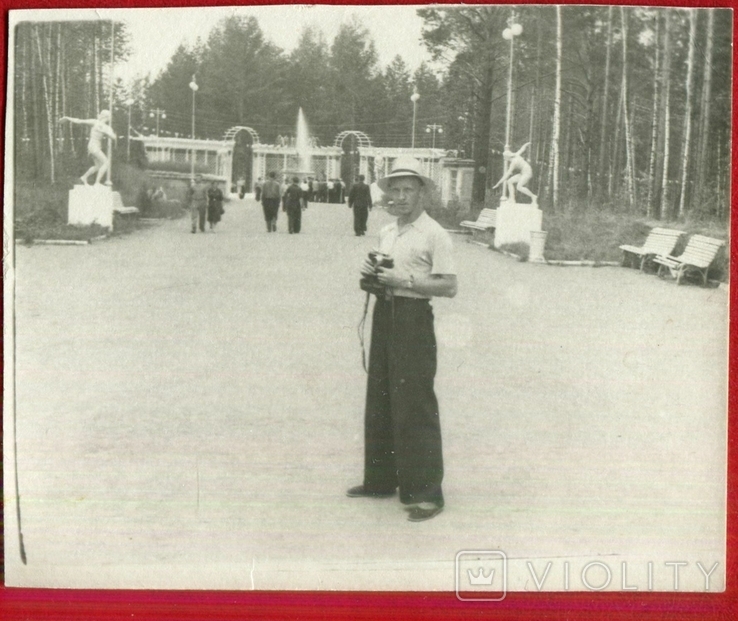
{"x":257,"y":189}
{"x":294,"y":203}
{"x":402,"y":431}
{"x":270,"y":195}
{"x":198,"y":201}
{"x":215,"y":205}
{"x":360,"y":200}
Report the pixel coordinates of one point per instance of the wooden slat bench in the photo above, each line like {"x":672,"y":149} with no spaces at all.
{"x":697,"y":257}
{"x":659,"y":242}
{"x":126,"y":211}
{"x":484,"y":222}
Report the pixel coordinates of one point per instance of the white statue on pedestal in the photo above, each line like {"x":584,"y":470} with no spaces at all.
{"x":518,"y":174}
{"x":98,"y":128}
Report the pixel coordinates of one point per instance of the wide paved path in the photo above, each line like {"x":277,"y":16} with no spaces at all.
{"x":189,"y":414}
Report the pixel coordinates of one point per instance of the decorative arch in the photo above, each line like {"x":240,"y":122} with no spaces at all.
{"x":230,"y":139}
{"x":364,"y":140}
{"x":231,"y":133}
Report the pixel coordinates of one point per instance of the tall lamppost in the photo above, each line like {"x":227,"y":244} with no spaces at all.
{"x":158,"y":113}
{"x":513,"y":30}
{"x":128,"y":142}
{"x":414,"y":98}
{"x":193,"y":87}
{"x":434,"y":127}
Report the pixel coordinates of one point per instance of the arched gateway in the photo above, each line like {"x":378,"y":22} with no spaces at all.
{"x":362,"y":139}
{"x":241,"y":159}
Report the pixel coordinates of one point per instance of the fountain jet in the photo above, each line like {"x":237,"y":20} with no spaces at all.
{"x":302,"y":145}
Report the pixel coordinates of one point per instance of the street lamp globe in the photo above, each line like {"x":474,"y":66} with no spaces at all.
{"x":516,"y":29}
{"x":507,"y":34}
{"x":194,"y":86}
{"x":415,"y":96}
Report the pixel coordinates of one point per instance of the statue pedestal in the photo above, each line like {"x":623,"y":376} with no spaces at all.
{"x":515,"y":221}
{"x":90,"y":204}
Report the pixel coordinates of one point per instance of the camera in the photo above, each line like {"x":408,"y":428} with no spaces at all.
{"x":371,"y":283}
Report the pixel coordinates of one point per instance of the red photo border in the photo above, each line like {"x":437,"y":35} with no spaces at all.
{"x":109,"y":605}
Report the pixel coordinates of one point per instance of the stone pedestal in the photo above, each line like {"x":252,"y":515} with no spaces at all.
{"x":90,"y":204}
{"x":515,"y":221}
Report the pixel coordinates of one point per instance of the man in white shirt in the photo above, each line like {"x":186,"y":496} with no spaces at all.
{"x":402,"y":432}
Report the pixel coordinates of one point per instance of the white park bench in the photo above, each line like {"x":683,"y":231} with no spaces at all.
{"x":697,"y":257}
{"x":659,"y":242}
{"x":485,"y":221}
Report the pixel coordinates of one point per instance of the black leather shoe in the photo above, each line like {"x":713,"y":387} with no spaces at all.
{"x":360,"y":492}
{"x":419,"y":514}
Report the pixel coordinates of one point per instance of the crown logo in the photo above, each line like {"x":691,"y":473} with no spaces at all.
{"x":480,"y":579}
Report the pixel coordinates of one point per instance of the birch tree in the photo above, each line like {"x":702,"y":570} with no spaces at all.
{"x":46,"y":100}
{"x":654,"y":121}
{"x":665,"y":116}
{"x":686,"y":140}
{"x":554,"y":168}
{"x":605,"y":93}
{"x":704,"y":130}
{"x":629,"y":156}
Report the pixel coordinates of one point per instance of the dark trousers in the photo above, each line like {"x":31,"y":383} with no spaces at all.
{"x":361,"y":215}
{"x":402,"y":430}
{"x":294,"y":218}
{"x":271,"y":210}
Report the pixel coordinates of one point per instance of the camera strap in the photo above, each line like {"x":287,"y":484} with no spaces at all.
{"x":362,"y":326}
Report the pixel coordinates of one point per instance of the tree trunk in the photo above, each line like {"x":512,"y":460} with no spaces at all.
{"x":96,"y":69}
{"x":613,"y":179}
{"x":25,"y":72}
{"x":665,"y":117}
{"x":568,"y":144}
{"x":554,"y":168}
{"x":605,"y":93}
{"x":481,"y":144}
{"x":629,"y":166}
{"x":704,"y":133}
{"x":58,"y":130}
{"x":111,"y":99}
{"x":47,"y":104}
{"x":654,"y":123}
{"x":38,"y":159}
{"x":533,"y":135}
{"x":686,"y":140}
{"x":66,"y":128}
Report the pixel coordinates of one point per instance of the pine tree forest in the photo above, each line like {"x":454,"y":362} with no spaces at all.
{"x":626,"y":108}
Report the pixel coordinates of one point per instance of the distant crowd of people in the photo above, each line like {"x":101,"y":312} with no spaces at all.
{"x":316,"y":189}
{"x":291,"y":193}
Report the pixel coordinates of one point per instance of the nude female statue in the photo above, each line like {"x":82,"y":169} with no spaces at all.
{"x":518,"y":173}
{"x":98,"y":128}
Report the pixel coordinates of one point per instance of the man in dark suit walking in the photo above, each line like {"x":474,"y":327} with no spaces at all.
{"x":294,"y":203}
{"x":360,"y":200}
